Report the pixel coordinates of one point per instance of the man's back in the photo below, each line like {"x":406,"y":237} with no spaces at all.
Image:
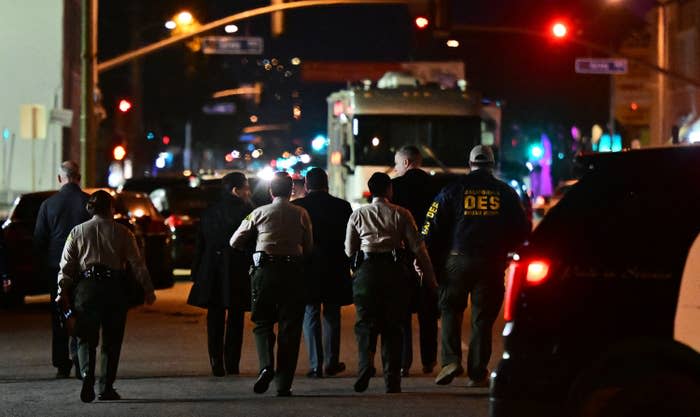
{"x":329,"y":217}
{"x":57,"y":217}
{"x":415,"y":191}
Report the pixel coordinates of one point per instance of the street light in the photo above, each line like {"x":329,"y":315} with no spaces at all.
{"x":559,"y":30}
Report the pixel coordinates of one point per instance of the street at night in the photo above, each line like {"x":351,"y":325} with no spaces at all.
{"x":165,"y":371}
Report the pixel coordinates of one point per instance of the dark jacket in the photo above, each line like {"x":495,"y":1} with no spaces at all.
{"x":58,"y":215}
{"x":329,"y":268}
{"x":220,"y":273}
{"x":479,"y":216}
{"x":414,"y":190}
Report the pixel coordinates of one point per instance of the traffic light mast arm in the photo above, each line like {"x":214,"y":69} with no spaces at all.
{"x":138,"y":53}
{"x":581,"y":42}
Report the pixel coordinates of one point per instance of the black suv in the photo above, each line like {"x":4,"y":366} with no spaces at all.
{"x":591,"y":300}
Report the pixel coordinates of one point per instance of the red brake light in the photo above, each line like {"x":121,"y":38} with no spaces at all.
{"x":537,"y":272}
{"x":173,"y":221}
{"x":520,"y":273}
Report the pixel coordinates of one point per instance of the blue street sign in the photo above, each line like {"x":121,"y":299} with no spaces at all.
{"x":601,"y":65}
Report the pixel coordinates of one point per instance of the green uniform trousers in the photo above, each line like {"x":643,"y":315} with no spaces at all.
{"x":100,"y":304}
{"x":381,"y":294}
{"x":482,"y":281}
{"x":278,"y":297}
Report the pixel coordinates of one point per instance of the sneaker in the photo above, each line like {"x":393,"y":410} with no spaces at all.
{"x":483,"y":383}
{"x":263,"y":382}
{"x":315,"y":373}
{"x":87,"y":393}
{"x":448,"y":373}
{"x":333,"y":370}
{"x":110,"y":394}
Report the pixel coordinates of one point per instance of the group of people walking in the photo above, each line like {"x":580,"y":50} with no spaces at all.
{"x":300,"y":254}
{"x":289,"y":263}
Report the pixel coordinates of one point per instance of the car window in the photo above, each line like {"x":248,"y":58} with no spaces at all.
{"x":27,"y":207}
{"x":191,"y":201}
{"x":131,"y":204}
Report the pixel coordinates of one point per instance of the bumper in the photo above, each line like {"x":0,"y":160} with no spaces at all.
{"x":528,"y":387}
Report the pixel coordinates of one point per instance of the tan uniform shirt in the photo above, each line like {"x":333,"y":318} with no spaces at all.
{"x":101,"y":240}
{"x":383,"y":227}
{"x":280,"y":228}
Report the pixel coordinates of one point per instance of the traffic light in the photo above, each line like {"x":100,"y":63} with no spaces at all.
{"x":559,"y":30}
{"x":421,"y":22}
{"x":536,"y":152}
{"x":124,"y":105}
{"x":166,"y":140}
{"x":119,"y":152}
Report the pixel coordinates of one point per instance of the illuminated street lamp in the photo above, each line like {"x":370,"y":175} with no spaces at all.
{"x":421,"y":22}
{"x":453,"y":43}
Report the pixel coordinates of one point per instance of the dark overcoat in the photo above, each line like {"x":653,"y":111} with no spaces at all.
{"x":220,"y":273}
{"x":328,"y":272}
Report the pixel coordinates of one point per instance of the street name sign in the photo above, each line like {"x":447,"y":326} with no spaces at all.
{"x":232,"y":45}
{"x":601,"y":65}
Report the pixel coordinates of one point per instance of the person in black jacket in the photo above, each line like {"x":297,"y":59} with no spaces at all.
{"x":220,"y":275}
{"x":414,"y":190}
{"x":329,"y":274}
{"x":57,"y":216}
{"x":481,"y":220}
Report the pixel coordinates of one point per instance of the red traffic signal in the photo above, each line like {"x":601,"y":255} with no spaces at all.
{"x":166,"y":140}
{"x":559,"y":30}
{"x":421,"y":22}
{"x":119,"y":152}
{"x":124,"y":105}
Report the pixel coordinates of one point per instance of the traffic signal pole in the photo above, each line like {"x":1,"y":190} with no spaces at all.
{"x":149,"y":49}
{"x":88,"y":70}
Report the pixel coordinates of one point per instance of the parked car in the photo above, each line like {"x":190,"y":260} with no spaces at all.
{"x":594,"y":325}
{"x":148,"y":184}
{"x":543,"y":204}
{"x":181,"y":208}
{"x":132,"y":209}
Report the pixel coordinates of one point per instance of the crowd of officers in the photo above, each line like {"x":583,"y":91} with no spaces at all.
{"x":288,"y":261}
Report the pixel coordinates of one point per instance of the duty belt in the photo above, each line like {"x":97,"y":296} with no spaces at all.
{"x":262,"y":258}
{"x":386,"y":256}
{"x":100,"y":272}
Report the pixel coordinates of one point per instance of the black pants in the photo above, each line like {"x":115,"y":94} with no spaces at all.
{"x":380,"y":292}
{"x":428,"y":314}
{"x":277,"y":290}
{"x":225,"y":337}
{"x":100,"y":306}
{"x":64,"y":349}
{"x":483,"y":282}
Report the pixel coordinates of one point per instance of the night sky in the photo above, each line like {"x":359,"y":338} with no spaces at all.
{"x":532,"y":76}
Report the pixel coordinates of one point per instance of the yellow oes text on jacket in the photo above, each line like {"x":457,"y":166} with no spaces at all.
{"x":481,"y":203}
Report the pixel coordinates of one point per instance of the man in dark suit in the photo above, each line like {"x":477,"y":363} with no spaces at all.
{"x":414,"y":190}
{"x":329,"y":274}
{"x":57,"y":217}
{"x":220,"y":274}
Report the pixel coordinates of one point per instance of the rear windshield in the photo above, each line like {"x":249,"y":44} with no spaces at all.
{"x":27,"y":209}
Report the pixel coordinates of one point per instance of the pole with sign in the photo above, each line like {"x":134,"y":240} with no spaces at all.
{"x":608,"y":66}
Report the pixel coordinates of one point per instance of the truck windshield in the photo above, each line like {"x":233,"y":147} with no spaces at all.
{"x":378,"y":137}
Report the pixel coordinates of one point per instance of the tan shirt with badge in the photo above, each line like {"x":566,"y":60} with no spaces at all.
{"x":280,"y":229}
{"x":101,"y":240}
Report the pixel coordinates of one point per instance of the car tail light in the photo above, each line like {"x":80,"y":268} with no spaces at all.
{"x":173,"y":221}
{"x":519,"y":273}
{"x":537,"y":272}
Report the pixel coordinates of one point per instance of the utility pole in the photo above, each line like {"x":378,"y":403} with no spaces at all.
{"x":87,"y":91}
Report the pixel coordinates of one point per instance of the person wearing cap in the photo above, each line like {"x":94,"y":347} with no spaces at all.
{"x":220,"y":274}
{"x":472,"y":224}
{"x":414,"y":189}
{"x":283,"y":238}
{"x":92,"y":279}
{"x":328,"y":275}
{"x":381,"y":288}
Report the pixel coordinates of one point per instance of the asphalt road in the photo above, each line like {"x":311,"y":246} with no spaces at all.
{"x":165,"y":371}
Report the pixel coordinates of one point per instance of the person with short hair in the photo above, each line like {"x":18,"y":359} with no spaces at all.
{"x":376,"y":233}
{"x":58,"y":214}
{"x":480,"y":219}
{"x":220,"y":274}
{"x":92,"y":279}
{"x":414,"y":189}
{"x":283,"y":238}
{"x":328,"y":273}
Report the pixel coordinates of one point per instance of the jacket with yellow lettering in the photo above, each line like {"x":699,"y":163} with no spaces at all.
{"x":478,"y":216}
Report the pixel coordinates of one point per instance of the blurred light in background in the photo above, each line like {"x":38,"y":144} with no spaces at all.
{"x":231,"y":28}
{"x":319,"y":143}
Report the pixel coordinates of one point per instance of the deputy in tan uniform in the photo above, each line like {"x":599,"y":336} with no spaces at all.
{"x":92,"y":274}
{"x":381,"y":288}
{"x":283,"y":236}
